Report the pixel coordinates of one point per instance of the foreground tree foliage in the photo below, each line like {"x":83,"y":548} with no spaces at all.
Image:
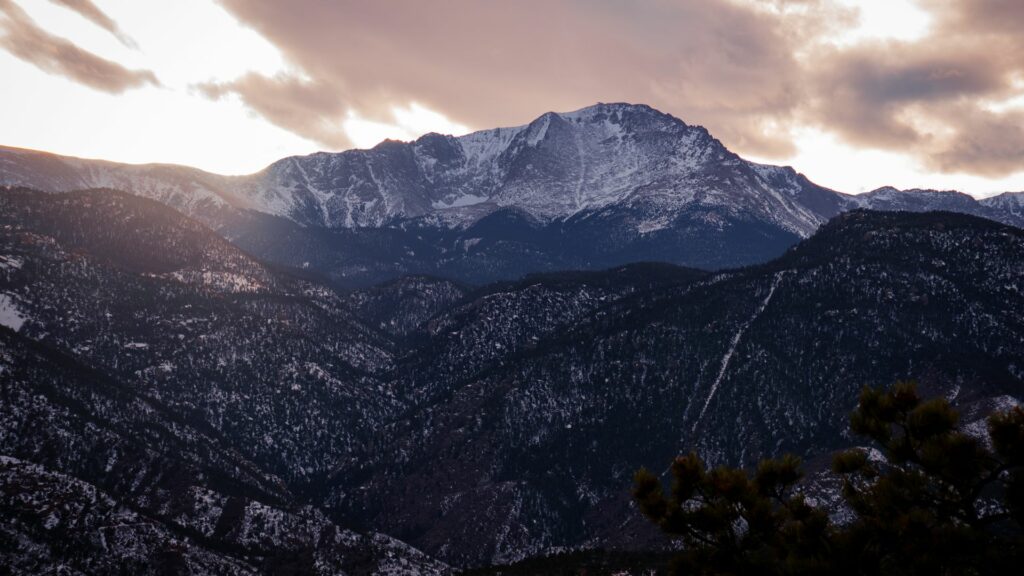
{"x":931,"y":499}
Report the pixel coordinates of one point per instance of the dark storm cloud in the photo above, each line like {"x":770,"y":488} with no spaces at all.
{"x":92,"y":13}
{"x":23,"y":38}
{"x":751,"y":71}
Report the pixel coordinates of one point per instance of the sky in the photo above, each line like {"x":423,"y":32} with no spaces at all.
{"x":856,"y":94}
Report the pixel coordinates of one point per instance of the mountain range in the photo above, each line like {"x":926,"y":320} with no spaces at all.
{"x":234,"y":416}
{"x":603,"y":186}
{"x":456,"y":352}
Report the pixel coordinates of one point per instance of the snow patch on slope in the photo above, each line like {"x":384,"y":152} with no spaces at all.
{"x":10,"y":263}
{"x":460,"y":201}
{"x":10,"y":315}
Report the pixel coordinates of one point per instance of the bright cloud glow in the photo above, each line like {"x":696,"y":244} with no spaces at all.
{"x":409,"y":123}
{"x":886,"y":20}
{"x":183,"y":42}
{"x":833,"y":164}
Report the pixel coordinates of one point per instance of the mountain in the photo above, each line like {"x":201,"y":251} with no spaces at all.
{"x":603,"y":186}
{"x":236,"y":417}
{"x":1011,"y":203}
{"x":558,"y":166}
{"x":273,"y":359}
{"x":537,"y":402}
{"x":164,"y":396}
{"x":98,"y":478}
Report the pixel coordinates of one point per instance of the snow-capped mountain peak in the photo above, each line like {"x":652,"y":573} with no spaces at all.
{"x":599,"y":186}
{"x":554,"y":167}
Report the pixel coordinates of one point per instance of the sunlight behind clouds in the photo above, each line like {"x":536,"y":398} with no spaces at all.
{"x":409,"y":123}
{"x":189,"y":41}
{"x":182,"y":42}
{"x":886,"y":20}
{"x":834,"y":164}
{"x":67,"y":24}
{"x":145,"y":125}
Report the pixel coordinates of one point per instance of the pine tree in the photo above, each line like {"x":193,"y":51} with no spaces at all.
{"x":939,"y":501}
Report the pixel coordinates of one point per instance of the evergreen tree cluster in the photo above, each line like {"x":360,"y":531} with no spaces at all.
{"x":937,"y":501}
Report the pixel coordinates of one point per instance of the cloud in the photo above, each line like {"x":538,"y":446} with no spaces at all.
{"x":754,"y":72}
{"x":92,"y":13}
{"x":931,"y":97}
{"x":310,"y":109}
{"x":727,"y":65}
{"x":867,"y":93}
{"x":23,"y":38}
{"x":985,"y":143}
{"x":978,"y":17}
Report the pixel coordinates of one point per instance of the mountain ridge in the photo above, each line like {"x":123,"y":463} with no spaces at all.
{"x":483,"y":149}
{"x":590,"y":189}
{"x":541,"y":437}
{"x":479,"y":425}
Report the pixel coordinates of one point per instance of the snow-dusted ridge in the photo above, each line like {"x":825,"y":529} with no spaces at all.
{"x":608,"y":156}
{"x":595,"y":188}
